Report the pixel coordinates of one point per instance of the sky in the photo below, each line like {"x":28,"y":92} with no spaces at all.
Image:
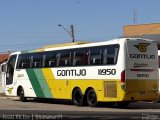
{"x":31,"y":24}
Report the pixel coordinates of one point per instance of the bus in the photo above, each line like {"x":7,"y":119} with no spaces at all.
{"x":117,"y":71}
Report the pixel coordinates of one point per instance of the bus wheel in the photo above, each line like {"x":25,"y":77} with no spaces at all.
{"x":21,"y":95}
{"x":77,"y":97}
{"x":123,"y":104}
{"x":92,"y":98}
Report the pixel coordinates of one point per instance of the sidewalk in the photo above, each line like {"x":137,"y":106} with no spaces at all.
{"x":3,"y":96}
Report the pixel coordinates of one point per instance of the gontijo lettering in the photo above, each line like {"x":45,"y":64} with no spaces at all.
{"x":143,"y":56}
{"x":71,"y":72}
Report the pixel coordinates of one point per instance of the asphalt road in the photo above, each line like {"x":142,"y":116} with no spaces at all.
{"x":61,"y":110}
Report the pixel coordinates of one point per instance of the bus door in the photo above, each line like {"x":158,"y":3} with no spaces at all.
{"x":10,"y":74}
{"x":141,"y":66}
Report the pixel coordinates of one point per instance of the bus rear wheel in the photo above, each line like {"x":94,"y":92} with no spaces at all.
{"x":22,"y":98}
{"x":92,"y":98}
{"x":77,"y":97}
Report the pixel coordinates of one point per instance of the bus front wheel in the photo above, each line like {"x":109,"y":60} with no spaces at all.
{"x":92,"y":98}
{"x":22,"y":98}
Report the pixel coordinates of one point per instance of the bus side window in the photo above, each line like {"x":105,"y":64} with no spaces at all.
{"x":65,"y":58}
{"x":58,"y":59}
{"x":88,"y":57}
{"x":105,"y":57}
{"x":51,"y":63}
{"x":110,"y":54}
{"x":50,"y":59}
{"x":37,"y":64}
{"x":84,"y":60}
{"x":116,"y":55}
{"x":96,"y":56}
{"x":23,"y":61}
{"x":24,"y":65}
{"x":77,"y":57}
{"x":37,"y":60}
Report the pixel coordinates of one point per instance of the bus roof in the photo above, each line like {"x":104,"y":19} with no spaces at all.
{"x":65,"y":44}
{"x":76,"y":45}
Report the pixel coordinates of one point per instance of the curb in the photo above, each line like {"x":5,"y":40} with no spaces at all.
{"x":7,"y":97}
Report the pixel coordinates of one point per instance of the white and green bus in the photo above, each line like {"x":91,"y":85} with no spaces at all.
{"x":117,"y":71}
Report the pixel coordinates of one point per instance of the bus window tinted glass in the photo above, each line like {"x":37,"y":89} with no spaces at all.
{"x":96,"y":56}
{"x":110,"y":54}
{"x":23,"y":61}
{"x":77,"y":58}
{"x":37,"y":60}
{"x":50,"y":59}
{"x":65,"y":58}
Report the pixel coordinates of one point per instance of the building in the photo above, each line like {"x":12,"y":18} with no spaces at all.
{"x":3,"y":57}
{"x":148,"y":31}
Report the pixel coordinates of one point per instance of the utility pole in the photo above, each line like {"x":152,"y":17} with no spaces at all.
{"x":71,"y":33}
{"x":135,"y":17}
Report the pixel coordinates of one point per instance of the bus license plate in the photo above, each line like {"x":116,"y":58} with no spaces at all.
{"x":143,"y":93}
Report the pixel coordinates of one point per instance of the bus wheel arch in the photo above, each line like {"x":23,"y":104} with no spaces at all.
{"x":77,"y":96}
{"x":21,"y":94}
{"x":91,"y":97}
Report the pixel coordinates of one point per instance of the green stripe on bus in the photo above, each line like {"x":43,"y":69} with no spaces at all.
{"x":35,"y":83}
{"x":43,"y":83}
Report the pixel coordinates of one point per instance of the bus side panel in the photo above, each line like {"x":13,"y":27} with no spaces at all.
{"x":22,"y":79}
{"x":58,"y":88}
{"x":39,"y":83}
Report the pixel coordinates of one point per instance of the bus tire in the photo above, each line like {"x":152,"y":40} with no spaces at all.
{"x":22,"y":98}
{"x":92,"y":98}
{"x":123,"y":104}
{"x":77,"y":97}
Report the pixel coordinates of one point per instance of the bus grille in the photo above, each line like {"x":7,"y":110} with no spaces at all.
{"x":110,"y":89}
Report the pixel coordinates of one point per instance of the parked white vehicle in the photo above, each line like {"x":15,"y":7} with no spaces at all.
{"x":159,"y":69}
{"x":2,"y":77}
